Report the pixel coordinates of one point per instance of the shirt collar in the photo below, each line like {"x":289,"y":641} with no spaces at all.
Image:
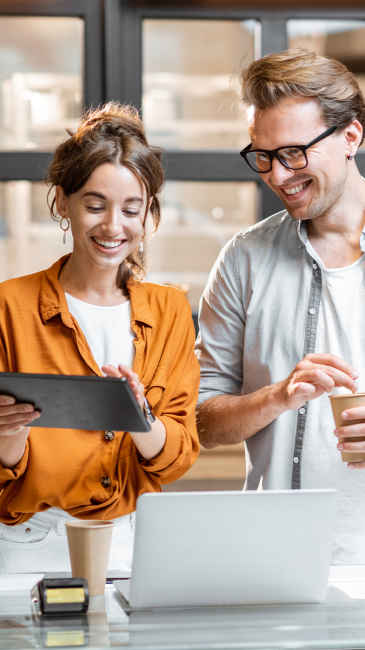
{"x":52,"y":297}
{"x":140,"y":303}
{"x":302,"y":232}
{"x":303,"y":235}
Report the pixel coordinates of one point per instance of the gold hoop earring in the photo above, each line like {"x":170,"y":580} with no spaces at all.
{"x":64,"y":225}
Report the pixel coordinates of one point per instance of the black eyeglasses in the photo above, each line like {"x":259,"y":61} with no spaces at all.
{"x":292,"y":156}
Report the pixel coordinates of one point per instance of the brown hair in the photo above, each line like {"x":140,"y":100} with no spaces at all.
{"x":112,"y":133}
{"x":302,"y":73}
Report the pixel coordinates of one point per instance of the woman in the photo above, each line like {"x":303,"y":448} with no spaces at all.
{"x":89,"y":314}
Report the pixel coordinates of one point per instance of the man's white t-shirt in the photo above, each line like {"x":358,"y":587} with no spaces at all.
{"x":341,"y":331}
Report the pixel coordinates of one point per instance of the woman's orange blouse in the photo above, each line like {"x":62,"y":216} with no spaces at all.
{"x":84,"y":472}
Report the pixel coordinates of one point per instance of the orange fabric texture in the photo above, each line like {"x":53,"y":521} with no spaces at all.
{"x":66,"y":468}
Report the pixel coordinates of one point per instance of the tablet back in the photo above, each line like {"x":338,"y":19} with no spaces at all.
{"x":77,"y":402}
{"x":223,"y":548}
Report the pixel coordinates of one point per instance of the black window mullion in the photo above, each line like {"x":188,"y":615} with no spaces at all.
{"x":123,"y":53}
{"x":273,"y":34}
{"x":94,"y":90}
{"x":206,"y":166}
{"x":360,"y":159}
{"x":270,"y":203}
{"x":43,"y":8}
{"x":113,"y":48}
{"x":23,"y":165}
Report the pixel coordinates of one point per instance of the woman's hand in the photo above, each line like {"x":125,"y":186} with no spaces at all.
{"x":151,"y":443}
{"x":14,"y":430}
{"x":348,"y":433}
{"x":132,"y":378}
{"x":14,"y":416}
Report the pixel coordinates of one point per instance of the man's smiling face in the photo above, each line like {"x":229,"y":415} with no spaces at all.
{"x":313,"y":191}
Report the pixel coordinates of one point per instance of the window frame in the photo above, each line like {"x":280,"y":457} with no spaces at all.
{"x":123,"y":44}
{"x":31,"y":165}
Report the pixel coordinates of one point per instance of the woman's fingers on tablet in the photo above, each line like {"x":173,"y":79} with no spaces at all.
{"x":110,"y":371}
{"x":15,"y":415}
{"x":134,"y":382}
{"x":130,"y":376}
{"x":6,"y":400}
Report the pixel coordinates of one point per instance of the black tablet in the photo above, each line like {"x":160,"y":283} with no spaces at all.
{"x":77,"y":402}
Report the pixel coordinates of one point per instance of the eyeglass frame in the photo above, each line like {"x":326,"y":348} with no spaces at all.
{"x":273,"y":153}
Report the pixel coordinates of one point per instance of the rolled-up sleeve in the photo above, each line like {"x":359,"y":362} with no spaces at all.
{"x":8,"y":474}
{"x":222,"y":317}
{"x":176,"y":407}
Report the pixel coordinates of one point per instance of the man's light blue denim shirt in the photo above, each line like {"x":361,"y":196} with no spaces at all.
{"x":258,"y":317}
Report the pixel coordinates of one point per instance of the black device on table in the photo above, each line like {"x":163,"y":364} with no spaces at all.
{"x":60,"y":597}
{"x":59,"y":612}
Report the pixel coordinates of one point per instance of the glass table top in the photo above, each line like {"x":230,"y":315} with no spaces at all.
{"x":339,"y":622}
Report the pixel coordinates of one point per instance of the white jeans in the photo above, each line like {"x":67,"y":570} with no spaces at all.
{"x":40,"y":544}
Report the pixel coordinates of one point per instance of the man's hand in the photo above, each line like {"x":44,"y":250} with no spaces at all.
{"x":151,"y":443}
{"x":229,"y":419}
{"x":314,"y":375}
{"x":348,"y":433}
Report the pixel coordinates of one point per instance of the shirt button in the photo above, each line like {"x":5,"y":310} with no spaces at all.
{"x":28,"y":530}
{"x":302,"y":410}
{"x":315,"y":266}
{"x":312,"y":311}
{"x":109,"y":435}
{"x":105,"y":481}
{"x":295,"y":459}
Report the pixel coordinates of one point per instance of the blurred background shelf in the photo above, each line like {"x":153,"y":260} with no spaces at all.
{"x":221,"y":468}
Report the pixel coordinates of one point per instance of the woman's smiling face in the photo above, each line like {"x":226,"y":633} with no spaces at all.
{"x":107,"y":216}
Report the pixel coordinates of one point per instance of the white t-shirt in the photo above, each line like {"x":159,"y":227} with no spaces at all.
{"x":107,"y":330}
{"x":341,"y":331}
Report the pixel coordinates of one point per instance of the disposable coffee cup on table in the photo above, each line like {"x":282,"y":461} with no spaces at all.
{"x":89,"y":543}
{"x":340,"y":403}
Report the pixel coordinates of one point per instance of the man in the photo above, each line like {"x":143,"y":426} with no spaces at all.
{"x":282,"y":317}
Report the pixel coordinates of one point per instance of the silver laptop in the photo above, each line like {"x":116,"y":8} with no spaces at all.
{"x":229,"y":548}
